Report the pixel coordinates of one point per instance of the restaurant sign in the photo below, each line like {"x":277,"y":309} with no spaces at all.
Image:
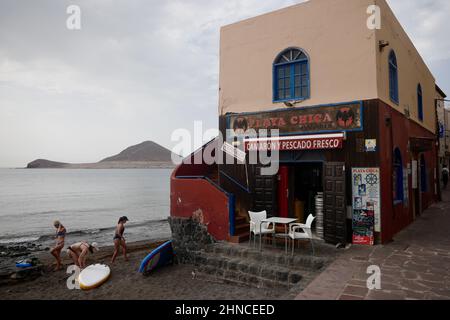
{"x":306,"y":142}
{"x":343,"y":117}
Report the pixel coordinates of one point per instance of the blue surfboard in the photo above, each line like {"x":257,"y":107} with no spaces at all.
{"x":24,"y":264}
{"x":158,"y":258}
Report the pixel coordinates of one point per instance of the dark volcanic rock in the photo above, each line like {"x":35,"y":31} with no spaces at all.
{"x":145,"y":151}
{"x":147,"y":154}
{"x":42,"y":163}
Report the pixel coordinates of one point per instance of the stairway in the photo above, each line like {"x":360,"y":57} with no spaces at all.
{"x":244,"y":265}
{"x":242,"y":230}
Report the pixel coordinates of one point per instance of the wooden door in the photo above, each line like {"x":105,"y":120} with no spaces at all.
{"x":283,"y":192}
{"x":335,"y":216}
{"x":265,"y":193}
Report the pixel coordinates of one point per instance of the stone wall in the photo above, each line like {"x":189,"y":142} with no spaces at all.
{"x":189,"y":237}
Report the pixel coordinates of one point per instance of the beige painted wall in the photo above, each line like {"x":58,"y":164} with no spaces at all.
{"x":333,"y":33}
{"x":345,"y":61}
{"x":412,"y":70}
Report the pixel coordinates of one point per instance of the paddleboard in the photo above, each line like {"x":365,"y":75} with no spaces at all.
{"x":160,"y":257}
{"x":24,"y":264}
{"x":27,"y":263}
{"x":93,"y":276}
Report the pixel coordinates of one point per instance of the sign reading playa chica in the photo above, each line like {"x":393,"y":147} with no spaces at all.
{"x":335,"y":118}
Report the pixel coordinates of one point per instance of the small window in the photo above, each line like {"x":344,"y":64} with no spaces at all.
{"x":393,"y":77}
{"x":291,"y":76}
{"x":398,"y":176}
{"x":420,"y":102}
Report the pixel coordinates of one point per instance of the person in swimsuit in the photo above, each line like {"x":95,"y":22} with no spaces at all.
{"x":79,"y":251}
{"x":60,"y":237}
{"x":119,"y":239}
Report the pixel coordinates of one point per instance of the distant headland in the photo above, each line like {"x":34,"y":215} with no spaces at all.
{"x":147,"y":154}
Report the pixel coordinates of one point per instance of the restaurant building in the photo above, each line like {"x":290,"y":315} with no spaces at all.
{"x":355,"y":107}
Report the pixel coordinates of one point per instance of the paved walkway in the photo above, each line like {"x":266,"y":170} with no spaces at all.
{"x":416,"y":265}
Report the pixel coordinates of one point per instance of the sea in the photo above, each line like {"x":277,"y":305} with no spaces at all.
{"x":88,"y":202}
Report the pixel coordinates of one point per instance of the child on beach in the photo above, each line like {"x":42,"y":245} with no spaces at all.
{"x":119,"y":239}
{"x":60,"y":237}
{"x":79,"y":251}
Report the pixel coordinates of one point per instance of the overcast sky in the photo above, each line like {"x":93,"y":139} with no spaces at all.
{"x":137,"y":70}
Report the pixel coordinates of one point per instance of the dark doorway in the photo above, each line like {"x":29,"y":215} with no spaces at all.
{"x":298,"y":184}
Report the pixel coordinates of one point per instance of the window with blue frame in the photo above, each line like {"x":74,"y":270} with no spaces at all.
{"x":420,"y":102}
{"x":398,"y":177}
{"x":291,"y":76}
{"x":393,"y":77}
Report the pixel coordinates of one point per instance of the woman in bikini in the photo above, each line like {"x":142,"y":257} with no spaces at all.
{"x":60,"y":237}
{"x":119,"y":239}
{"x":79,"y":251}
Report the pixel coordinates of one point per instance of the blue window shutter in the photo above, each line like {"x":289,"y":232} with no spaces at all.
{"x":393,"y":77}
{"x":296,"y":85}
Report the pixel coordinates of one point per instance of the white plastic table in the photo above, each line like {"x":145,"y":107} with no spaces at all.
{"x":285,"y":222}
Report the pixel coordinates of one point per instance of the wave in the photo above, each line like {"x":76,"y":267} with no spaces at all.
{"x":55,"y":213}
{"x":16,"y":239}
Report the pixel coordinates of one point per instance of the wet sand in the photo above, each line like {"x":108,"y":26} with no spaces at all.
{"x":126,"y":283}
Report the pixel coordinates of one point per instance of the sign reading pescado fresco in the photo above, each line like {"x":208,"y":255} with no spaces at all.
{"x":343,"y":117}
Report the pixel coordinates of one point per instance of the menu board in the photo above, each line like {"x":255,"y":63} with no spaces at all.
{"x":366,"y":204}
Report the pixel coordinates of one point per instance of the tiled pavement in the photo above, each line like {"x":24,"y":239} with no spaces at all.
{"x":416,"y":265}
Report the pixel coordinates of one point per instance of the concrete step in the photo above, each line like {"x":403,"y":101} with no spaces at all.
{"x":249,"y":272}
{"x":240,"y":238}
{"x":242,"y":228}
{"x":240,"y":220}
{"x":273,"y":256}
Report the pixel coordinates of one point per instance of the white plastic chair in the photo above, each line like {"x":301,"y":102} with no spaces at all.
{"x":306,"y":233}
{"x":258,"y":227}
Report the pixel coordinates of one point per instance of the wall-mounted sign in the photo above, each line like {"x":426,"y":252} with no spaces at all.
{"x":414,"y":178}
{"x":234,"y":152}
{"x":366,"y":204}
{"x":370,"y":145}
{"x":343,"y":117}
{"x":306,"y":142}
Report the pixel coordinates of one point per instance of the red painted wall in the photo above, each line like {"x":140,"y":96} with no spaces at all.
{"x":189,"y":197}
{"x":396,"y":217}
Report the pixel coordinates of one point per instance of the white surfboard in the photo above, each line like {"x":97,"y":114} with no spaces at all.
{"x":93,"y":276}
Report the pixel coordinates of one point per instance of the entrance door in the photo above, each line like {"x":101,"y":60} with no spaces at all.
{"x":265,"y":197}
{"x":283,"y":191}
{"x":335,"y":218}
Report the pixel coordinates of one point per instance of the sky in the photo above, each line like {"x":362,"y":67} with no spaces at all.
{"x":137,"y":70}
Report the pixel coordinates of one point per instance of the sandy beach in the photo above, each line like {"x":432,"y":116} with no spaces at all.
{"x":125,"y":283}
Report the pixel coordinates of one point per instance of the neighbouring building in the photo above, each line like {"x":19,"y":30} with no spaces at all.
{"x":356,"y":111}
{"x":442,"y":112}
{"x":447,"y":135}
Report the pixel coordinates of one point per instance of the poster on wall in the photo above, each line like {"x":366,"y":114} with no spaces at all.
{"x":366,"y":204}
{"x":406,"y":187}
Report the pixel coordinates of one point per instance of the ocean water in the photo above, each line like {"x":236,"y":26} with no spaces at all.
{"x":87,"y":202}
